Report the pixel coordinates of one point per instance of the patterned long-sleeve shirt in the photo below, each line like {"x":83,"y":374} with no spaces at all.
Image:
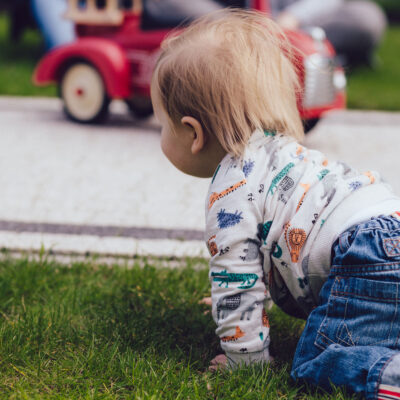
{"x":271,"y":219}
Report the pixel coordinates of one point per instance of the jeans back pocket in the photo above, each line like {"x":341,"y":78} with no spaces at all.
{"x":361,"y":312}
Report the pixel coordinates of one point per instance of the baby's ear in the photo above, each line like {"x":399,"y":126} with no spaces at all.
{"x":199,"y":139}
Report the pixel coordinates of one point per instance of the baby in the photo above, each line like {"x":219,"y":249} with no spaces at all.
{"x":321,"y":238}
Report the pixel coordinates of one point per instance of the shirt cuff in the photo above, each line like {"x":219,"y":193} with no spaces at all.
{"x":237,"y":359}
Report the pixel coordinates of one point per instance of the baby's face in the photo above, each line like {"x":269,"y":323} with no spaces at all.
{"x":176,"y":144}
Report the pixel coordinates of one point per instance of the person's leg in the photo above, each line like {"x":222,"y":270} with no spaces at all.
{"x":355,"y":30}
{"x":325,"y":354}
{"x":353,"y":337}
{"x":55,"y":29}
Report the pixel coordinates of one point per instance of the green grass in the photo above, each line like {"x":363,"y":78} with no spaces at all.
{"x":17,"y":63}
{"x":391,"y":8}
{"x":377,"y":89}
{"x":87,"y":331}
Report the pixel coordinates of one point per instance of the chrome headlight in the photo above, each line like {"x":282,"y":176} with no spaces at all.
{"x":322,"y":81}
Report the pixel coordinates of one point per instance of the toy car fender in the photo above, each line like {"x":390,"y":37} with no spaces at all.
{"x":105,"y":55}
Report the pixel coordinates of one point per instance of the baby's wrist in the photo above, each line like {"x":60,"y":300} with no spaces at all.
{"x":257,"y":357}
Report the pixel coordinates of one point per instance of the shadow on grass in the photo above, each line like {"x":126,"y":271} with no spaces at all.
{"x":139,"y":308}
{"x":67,"y":328}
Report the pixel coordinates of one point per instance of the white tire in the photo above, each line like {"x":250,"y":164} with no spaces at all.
{"x":83,"y":92}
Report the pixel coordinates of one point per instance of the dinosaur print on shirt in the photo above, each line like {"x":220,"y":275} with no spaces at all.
{"x":247,"y":280}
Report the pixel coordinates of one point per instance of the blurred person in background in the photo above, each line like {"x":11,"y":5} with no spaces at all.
{"x":55,"y":29}
{"x":354,"y":27}
{"x":171,"y":13}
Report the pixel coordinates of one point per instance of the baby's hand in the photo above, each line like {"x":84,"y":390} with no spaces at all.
{"x":208,"y":302}
{"x":218,"y":362}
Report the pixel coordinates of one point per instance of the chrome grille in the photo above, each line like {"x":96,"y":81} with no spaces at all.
{"x":319,"y":85}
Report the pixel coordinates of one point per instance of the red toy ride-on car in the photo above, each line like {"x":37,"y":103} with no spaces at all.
{"x":115,"y":53}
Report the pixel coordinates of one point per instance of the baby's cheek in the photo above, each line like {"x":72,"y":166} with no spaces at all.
{"x":167,"y":149}
{"x":163,"y":145}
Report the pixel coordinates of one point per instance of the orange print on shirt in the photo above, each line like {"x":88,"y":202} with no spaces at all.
{"x":212,"y":246}
{"x":370,"y":176}
{"x":295,"y":239}
{"x":265,"y":320}
{"x":299,"y":150}
{"x":306,"y":188}
{"x":239,"y":333}
{"x":216,"y":196}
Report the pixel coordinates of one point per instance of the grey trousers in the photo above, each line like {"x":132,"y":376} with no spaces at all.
{"x":171,"y":13}
{"x":355,"y":30}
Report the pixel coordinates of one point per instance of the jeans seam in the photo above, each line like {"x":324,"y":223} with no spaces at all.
{"x":361,"y":296}
{"x":324,"y":321}
{"x":363,"y":266}
{"x":325,"y":339}
{"x":395,"y":311}
{"x":341,"y":340}
{"x":378,"y":228}
{"x":342,"y":326}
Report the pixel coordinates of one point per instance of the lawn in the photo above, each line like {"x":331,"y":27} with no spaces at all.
{"x":85,"y":331}
{"x":17,"y":62}
{"x":377,"y":89}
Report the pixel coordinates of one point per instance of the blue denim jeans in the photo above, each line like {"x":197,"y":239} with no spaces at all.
{"x":353,"y":337}
{"x":55,"y":28}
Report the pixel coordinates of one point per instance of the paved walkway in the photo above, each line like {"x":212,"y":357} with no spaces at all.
{"x":77,"y":189}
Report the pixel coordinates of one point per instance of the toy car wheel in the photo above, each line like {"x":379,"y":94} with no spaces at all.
{"x":140,"y":106}
{"x":83,"y":92}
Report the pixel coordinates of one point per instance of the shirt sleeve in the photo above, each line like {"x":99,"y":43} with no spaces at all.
{"x":236,"y":274}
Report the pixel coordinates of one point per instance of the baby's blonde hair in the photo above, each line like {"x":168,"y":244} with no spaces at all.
{"x":234,"y":72}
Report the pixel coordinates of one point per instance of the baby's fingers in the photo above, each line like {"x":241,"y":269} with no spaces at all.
{"x":206,"y":300}
{"x":218,"y":362}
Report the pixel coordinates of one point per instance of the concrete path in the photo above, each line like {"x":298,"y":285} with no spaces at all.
{"x":108,"y":189}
